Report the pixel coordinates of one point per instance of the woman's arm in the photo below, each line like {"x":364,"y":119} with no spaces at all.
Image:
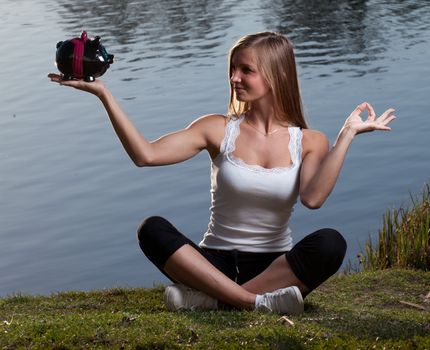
{"x":169,"y":149}
{"x":321,"y":167}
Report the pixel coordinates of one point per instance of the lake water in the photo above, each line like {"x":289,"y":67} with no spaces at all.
{"x":70,"y":199}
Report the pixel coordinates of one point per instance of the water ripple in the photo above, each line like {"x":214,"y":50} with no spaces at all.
{"x":357,"y":33}
{"x":70,"y":199}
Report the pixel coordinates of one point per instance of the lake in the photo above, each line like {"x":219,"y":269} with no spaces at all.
{"x":71,"y":200}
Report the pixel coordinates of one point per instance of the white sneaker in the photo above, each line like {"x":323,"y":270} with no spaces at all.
{"x":180,"y":297}
{"x":284,"y":301}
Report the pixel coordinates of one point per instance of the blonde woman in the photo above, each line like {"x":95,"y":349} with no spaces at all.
{"x":263,"y":158}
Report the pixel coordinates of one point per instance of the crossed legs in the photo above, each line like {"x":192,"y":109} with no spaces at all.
{"x":183,"y":262}
{"x":189,"y":267}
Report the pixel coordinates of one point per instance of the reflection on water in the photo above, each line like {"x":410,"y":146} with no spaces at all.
{"x":70,"y":199}
{"x":163,"y":21}
{"x":180,"y":31}
{"x":349,"y":35}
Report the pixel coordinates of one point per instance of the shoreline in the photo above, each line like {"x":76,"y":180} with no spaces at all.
{"x":386,"y":308}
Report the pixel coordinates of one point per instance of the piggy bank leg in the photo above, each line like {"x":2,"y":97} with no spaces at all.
{"x":67,"y":77}
{"x":89,"y":79}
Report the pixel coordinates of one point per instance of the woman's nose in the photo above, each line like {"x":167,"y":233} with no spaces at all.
{"x":235,"y":78}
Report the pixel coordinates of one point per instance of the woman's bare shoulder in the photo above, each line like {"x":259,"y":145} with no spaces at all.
{"x":211,"y":125}
{"x":212,"y":128}
{"x":210,"y":120}
{"x":313,"y":139}
{"x":313,"y":134}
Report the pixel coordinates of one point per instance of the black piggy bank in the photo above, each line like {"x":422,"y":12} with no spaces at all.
{"x":82,"y":58}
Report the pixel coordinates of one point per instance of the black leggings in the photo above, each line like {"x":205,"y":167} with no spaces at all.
{"x":313,"y":259}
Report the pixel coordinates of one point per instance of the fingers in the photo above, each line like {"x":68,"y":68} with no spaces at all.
{"x":55,"y":77}
{"x":362,"y":107}
{"x":372,"y":123}
{"x":372,"y":114}
{"x":72,"y":83}
{"x":387,"y":114}
{"x":385,"y":118}
{"x":58,"y":78}
{"x":96,"y":87}
{"x":385,"y":122}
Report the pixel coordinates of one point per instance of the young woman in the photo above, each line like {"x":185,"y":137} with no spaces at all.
{"x":263,"y":158}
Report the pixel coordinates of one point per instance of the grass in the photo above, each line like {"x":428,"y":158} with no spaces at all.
{"x":386,"y":306}
{"x":353,"y":311}
{"x":404,"y":239}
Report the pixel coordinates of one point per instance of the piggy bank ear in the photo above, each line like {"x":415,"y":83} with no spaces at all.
{"x":59,"y":44}
{"x":95,"y":42}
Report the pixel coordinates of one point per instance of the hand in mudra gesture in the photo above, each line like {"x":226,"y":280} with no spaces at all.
{"x":96,"y":87}
{"x":356,"y":124}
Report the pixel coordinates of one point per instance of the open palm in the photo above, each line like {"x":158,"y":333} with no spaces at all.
{"x":357,"y":124}
{"x":96,"y":87}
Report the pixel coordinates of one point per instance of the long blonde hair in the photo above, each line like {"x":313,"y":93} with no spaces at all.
{"x":275,"y":60}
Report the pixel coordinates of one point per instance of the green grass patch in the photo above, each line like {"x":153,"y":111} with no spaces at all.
{"x":353,"y":311}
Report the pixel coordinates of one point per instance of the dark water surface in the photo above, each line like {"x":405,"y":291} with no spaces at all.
{"x":70,"y":199}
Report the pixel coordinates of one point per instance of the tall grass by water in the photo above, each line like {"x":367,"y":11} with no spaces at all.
{"x":403,"y":240}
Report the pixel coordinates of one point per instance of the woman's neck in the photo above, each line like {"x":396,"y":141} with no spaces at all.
{"x":262,"y":117}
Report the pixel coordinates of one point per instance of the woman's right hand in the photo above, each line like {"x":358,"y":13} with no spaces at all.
{"x":96,"y":87}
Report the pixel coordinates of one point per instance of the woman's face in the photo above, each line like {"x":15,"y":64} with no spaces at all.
{"x":248,"y":82}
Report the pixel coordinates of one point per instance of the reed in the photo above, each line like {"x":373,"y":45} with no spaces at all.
{"x":404,"y":240}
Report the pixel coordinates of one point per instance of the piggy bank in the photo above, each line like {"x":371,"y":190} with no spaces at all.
{"x":82,"y":58}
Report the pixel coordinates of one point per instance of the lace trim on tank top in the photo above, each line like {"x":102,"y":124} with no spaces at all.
{"x":228,"y":146}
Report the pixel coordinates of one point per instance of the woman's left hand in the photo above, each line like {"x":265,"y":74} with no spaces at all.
{"x":356,"y":124}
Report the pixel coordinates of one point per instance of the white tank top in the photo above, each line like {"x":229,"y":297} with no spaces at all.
{"x":250,"y":204}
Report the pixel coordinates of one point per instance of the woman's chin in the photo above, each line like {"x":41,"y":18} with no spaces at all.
{"x":242,"y":98}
